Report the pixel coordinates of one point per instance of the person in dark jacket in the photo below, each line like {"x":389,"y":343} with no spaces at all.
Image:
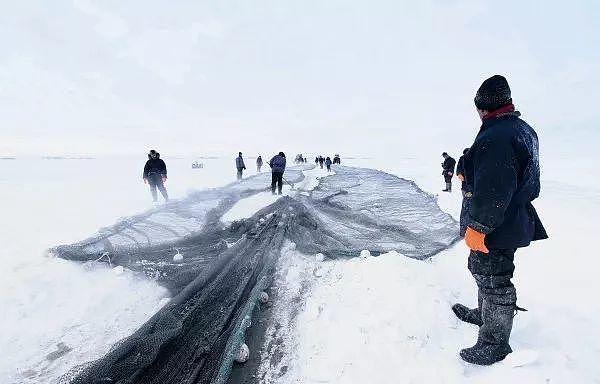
{"x":277,"y":164}
{"x":321,"y":161}
{"x":448,"y":171}
{"x":336,"y":159}
{"x":466,"y":201}
{"x":259,"y":163}
{"x":239,"y":164}
{"x":155,"y":174}
{"x":328,"y":163}
{"x":460,"y":170}
{"x":503,"y":172}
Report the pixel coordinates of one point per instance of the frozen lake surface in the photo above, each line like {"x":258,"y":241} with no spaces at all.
{"x":60,"y":314}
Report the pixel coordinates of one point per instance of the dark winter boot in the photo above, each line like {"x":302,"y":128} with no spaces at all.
{"x":492,"y":344}
{"x":448,"y":188}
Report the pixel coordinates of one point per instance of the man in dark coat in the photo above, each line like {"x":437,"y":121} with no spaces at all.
{"x":448,"y":171}
{"x":336,"y":159}
{"x":277,"y":164}
{"x":155,"y":174}
{"x":503,"y":172}
{"x":239,"y":164}
{"x":467,"y":194}
{"x":321,"y":161}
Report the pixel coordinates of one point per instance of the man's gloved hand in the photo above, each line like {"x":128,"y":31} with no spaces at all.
{"x":475,"y":240}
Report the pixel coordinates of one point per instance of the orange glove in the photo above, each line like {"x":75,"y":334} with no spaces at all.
{"x":475,"y":240}
{"x":461,"y":177}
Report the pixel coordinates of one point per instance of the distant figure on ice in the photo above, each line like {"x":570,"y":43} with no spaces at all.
{"x":503,"y":172}
{"x":336,"y":159}
{"x":317,"y":160}
{"x":448,"y":171}
{"x":155,"y":174}
{"x":239,"y":164}
{"x":259,"y":163}
{"x":321,"y":161}
{"x":328,"y":163}
{"x":277,"y":164}
{"x":467,"y":194}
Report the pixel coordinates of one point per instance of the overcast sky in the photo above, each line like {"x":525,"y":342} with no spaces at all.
{"x":208,"y":77}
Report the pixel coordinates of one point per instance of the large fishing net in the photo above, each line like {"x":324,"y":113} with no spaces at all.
{"x":216,"y":271}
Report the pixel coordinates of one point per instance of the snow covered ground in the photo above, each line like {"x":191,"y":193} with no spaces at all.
{"x":245,"y":208}
{"x":387,"y":319}
{"x":373,"y":319}
{"x":45,"y":301}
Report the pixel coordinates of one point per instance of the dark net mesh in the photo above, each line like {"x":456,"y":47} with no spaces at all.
{"x":223,"y":268}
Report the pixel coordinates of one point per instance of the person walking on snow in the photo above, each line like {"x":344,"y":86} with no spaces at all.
{"x":328,"y":164}
{"x":321,"y":161}
{"x":259,"y":163}
{"x":239,"y":164}
{"x":448,"y":171}
{"x":503,"y":172}
{"x":336,"y":159}
{"x":277,"y":164}
{"x":467,"y":194}
{"x":155,"y":175}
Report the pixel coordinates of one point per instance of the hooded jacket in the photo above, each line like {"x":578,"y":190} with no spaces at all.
{"x":155,"y":167}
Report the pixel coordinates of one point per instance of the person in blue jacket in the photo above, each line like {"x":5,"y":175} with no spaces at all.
{"x":502,"y":170}
{"x":277,"y":164}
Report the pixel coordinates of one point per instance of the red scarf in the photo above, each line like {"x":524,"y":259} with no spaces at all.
{"x":504,"y":110}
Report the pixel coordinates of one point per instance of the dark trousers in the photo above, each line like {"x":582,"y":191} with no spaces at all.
{"x":155,"y":181}
{"x":239,"y":173}
{"x":276,"y":179}
{"x":329,"y":168}
{"x":448,"y":180}
{"x":497,"y":294}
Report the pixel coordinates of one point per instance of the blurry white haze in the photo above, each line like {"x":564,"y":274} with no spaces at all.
{"x":105,"y":77}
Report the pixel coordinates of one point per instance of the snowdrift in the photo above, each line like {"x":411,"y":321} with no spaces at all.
{"x":216,"y":271}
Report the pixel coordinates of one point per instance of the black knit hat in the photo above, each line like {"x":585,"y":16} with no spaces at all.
{"x":493,"y":94}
